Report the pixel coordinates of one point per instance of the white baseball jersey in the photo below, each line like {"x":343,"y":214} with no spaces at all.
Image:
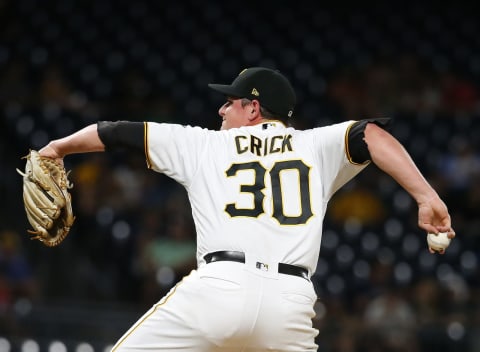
{"x":261,"y":190}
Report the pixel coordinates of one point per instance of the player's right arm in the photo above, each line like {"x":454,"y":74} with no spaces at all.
{"x":391,"y":157}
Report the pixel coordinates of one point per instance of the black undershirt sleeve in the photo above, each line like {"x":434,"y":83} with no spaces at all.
{"x":357,"y":149}
{"x":122,"y":135}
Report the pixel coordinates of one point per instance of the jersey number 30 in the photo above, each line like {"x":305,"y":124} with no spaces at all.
{"x":275,"y":177}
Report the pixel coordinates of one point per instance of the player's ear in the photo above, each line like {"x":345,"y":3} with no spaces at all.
{"x":254,"y":109}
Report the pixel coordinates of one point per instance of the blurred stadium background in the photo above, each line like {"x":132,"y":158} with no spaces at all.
{"x":65,"y":64}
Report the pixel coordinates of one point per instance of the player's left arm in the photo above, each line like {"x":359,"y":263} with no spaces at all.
{"x":391,"y":157}
{"x":82,"y":141}
{"x":98,"y":137}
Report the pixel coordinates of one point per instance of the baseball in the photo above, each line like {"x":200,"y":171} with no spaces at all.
{"x":438,"y":242}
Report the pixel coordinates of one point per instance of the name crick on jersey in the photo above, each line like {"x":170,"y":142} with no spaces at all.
{"x":261,"y":147}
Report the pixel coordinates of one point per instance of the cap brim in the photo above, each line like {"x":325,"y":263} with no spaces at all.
{"x":224,"y":89}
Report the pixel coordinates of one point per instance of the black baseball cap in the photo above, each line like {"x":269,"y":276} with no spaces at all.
{"x":269,"y":87}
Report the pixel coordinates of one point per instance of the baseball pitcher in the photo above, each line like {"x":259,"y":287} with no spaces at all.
{"x":258,"y":191}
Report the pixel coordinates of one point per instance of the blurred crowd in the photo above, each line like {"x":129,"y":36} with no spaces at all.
{"x":133,"y":238}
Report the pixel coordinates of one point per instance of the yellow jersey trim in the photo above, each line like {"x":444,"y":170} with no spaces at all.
{"x":347,"y":147}
{"x":145,"y":145}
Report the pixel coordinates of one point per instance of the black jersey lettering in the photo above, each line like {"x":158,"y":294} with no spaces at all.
{"x":265,"y":146}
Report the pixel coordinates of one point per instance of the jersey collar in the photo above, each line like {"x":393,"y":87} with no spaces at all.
{"x":270,"y":124}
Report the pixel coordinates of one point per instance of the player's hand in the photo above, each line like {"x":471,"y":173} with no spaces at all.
{"x":433,"y":217}
{"x":50,"y":152}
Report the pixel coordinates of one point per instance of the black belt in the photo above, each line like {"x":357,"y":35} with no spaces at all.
{"x":235,"y":256}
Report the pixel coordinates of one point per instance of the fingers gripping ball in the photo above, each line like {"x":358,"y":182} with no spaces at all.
{"x":438,"y":242}
{"x":47,"y":200}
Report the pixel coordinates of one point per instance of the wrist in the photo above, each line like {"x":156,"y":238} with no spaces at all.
{"x":426,"y":198}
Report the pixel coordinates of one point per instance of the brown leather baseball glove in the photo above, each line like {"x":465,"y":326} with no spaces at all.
{"x":47,"y":200}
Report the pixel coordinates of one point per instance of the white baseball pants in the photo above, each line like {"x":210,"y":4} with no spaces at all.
{"x":228,"y":307}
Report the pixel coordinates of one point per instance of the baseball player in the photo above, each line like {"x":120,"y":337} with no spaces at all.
{"x":258,"y":191}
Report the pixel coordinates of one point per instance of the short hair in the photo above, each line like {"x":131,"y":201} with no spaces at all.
{"x":265,"y":112}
